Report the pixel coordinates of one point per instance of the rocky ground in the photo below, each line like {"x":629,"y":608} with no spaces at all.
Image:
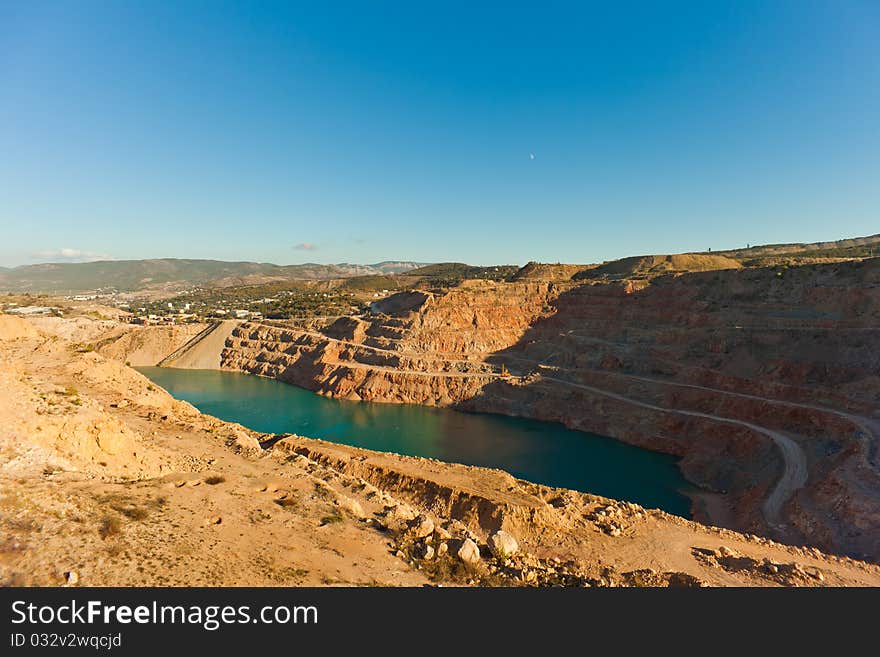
{"x":107,"y":480}
{"x":765,"y":381}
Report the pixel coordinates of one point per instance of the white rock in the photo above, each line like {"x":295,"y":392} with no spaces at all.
{"x":422,"y":526}
{"x":352,"y":505}
{"x":502,"y":544}
{"x":469,"y":552}
{"x":241,"y":443}
{"x":401,"y":512}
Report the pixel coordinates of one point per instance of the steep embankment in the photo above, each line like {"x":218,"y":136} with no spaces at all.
{"x":145,"y":346}
{"x":130,"y":343}
{"x":746,"y":374}
{"x":202,"y":351}
{"x":106,"y":480}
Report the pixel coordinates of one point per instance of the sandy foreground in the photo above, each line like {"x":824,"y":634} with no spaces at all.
{"x":107,"y":480}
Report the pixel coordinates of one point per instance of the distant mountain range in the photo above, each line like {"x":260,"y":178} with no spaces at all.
{"x":173,"y":273}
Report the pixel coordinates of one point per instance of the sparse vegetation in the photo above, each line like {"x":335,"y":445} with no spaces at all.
{"x":72,"y":394}
{"x":451,"y":569}
{"x":132,"y":512}
{"x":447,"y":274}
{"x":295,"y":574}
{"x":322,"y":491}
{"x":332,"y":519}
{"x":109,"y":526}
{"x":114,"y":550}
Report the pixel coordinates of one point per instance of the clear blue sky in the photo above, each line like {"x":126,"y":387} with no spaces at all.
{"x":367,"y":131}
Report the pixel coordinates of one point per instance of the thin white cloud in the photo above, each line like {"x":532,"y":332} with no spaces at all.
{"x":68,"y":255}
{"x":305,"y":246}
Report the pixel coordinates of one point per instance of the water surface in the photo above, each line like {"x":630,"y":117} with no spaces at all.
{"x":543,"y":452}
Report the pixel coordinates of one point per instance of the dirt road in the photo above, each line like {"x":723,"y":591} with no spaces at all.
{"x":794,"y":474}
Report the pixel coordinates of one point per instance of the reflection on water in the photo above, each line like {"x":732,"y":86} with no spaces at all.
{"x":542,"y":452}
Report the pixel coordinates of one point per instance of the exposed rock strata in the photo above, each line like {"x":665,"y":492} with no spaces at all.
{"x":704,"y":366}
{"x":107,"y":480}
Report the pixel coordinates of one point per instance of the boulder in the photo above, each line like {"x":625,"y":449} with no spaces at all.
{"x":503,"y":545}
{"x":352,"y":506}
{"x":242,"y":443}
{"x":469,"y":552}
{"x":421,"y":527}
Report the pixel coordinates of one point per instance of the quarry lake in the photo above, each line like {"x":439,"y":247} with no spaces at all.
{"x":541,"y":452}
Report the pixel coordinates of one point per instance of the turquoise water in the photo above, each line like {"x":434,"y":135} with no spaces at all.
{"x":542,"y":452}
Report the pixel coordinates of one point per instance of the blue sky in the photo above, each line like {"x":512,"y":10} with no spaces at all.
{"x":360,"y":132}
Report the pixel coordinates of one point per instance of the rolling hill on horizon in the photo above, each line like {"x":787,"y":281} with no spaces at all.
{"x":169,"y":273}
{"x":175,"y":274}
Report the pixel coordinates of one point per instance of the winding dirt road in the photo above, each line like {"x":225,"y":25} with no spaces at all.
{"x":794,"y":474}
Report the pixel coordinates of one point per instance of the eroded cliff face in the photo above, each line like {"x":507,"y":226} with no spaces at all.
{"x":106,"y":480}
{"x":433,"y":353}
{"x":765,"y":381}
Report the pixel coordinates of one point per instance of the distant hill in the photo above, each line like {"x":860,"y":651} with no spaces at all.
{"x":397,"y":267}
{"x":173,"y":273}
{"x":855,"y":247}
{"x":461,"y":271}
{"x":657,"y":265}
{"x":649,"y":266}
{"x":543,"y":271}
{"x":634,"y":267}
